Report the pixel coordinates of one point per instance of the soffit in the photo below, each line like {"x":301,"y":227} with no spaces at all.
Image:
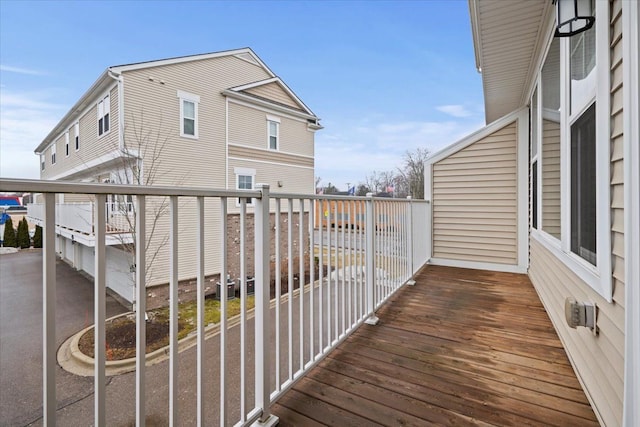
{"x":508,"y":38}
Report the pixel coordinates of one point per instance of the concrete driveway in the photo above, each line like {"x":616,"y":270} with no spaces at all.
{"x":21,"y":334}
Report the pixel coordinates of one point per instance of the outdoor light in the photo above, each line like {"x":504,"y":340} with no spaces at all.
{"x":573,"y":16}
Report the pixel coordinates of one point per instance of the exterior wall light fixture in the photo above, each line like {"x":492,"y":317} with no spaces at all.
{"x":573,"y":17}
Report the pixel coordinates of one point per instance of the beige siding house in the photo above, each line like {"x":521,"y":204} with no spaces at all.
{"x":551,"y":186}
{"x":219,"y":120}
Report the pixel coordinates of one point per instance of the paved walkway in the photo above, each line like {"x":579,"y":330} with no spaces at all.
{"x":21,"y":334}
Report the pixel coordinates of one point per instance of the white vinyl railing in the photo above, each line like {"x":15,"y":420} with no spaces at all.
{"x":344,"y":257}
{"x":79,"y":217}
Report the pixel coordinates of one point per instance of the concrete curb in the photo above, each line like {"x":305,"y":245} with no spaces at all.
{"x":72,"y":360}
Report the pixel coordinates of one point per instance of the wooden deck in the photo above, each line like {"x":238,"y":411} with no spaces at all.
{"x":462,"y":347}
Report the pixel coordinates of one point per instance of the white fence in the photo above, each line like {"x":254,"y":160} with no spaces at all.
{"x":79,"y":217}
{"x":328,"y":278}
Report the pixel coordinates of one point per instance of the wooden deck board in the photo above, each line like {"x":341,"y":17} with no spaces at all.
{"x":462,"y":347}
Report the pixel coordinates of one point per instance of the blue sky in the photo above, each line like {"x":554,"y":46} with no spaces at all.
{"x":384,"y":77}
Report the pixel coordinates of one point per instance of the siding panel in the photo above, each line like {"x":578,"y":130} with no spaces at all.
{"x":474,"y":191}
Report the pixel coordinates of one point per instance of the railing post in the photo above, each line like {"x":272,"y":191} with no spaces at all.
{"x":410,"y":282}
{"x":141,"y":307}
{"x":99,"y":311}
{"x":262,"y":302}
{"x":49,"y":401}
{"x":370,"y":257}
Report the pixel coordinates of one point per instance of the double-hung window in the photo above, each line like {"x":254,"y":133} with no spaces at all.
{"x":53,"y":153}
{"x":104,"y":113}
{"x":188,"y":114}
{"x":42,"y":157}
{"x":66,"y":144}
{"x":273,"y":132}
{"x":244,"y":181}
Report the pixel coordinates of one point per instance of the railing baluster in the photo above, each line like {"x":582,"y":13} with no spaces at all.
{"x":370,"y":254}
{"x":344,"y":275}
{"x":223,"y":311}
{"x":200,"y":310}
{"x":337,"y":271}
{"x":351,"y":262}
{"x":320,"y":203}
{"x":141,"y":305}
{"x":99,"y":311}
{"x":278,"y":291}
{"x":301,"y":279}
{"x":312,"y":268}
{"x":262,"y":353}
{"x":329,"y":273}
{"x":290,"y":282}
{"x":173,"y":311}
{"x":49,"y":400}
{"x":243,"y":309}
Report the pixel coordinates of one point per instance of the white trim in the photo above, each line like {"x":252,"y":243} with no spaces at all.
{"x":631,"y":129}
{"x":289,"y":153}
{"x":244,"y":159}
{"x":428,"y":196}
{"x":76,"y":138}
{"x":597,"y":277}
{"x":188,"y":96}
{"x":226,"y":142}
{"x":121,"y":111}
{"x":66,"y":144}
{"x":273,"y":119}
{"x":490,"y":266}
{"x":477,"y":135}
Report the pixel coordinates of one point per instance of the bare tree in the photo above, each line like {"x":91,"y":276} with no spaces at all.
{"x":412,"y":172}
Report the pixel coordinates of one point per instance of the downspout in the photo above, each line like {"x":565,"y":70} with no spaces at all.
{"x":118,"y":78}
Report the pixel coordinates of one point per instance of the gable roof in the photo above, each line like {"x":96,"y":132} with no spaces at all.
{"x":273,"y":91}
{"x":508,"y":38}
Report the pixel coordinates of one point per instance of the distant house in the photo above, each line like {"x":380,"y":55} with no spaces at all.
{"x":217,"y":120}
{"x":551,"y":186}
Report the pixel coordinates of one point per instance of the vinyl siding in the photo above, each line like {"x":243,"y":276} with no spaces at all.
{"x":598,"y":360}
{"x":91,"y":146}
{"x":474,"y":201}
{"x":152,"y":122}
{"x":275,"y":92}
{"x":248,"y":127}
{"x":551,"y":178}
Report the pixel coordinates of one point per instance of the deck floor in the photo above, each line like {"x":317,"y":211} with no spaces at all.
{"x":461,"y":347}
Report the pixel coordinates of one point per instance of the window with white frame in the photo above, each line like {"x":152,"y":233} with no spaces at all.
{"x":42,"y":162}
{"x":66,"y":144}
{"x":188,"y":114}
{"x":77,"y":135}
{"x":244,"y":181}
{"x":104,"y":113}
{"x":53,"y":153}
{"x":573,"y":153}
{"x":273,"y":130}
{"x":534,"y":158}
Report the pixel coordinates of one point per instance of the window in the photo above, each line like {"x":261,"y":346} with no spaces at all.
{"x":53,"y":154}
{"x":188,"y":114}
{"x":42,"y":162}
{"x":583,"y":186}
{"x":244,"y":181}
{"x":273,"y":134}
{"x":534,"y":158}
{"x":104,"y":110}
{"x":77,"y":135}
{"x":66,"y":144}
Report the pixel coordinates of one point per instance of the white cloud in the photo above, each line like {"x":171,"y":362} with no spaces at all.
{"x":19,"y":70}
{"x":455,"y":110}
{"x":348,"y":153}
{"x":25,"y":119}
